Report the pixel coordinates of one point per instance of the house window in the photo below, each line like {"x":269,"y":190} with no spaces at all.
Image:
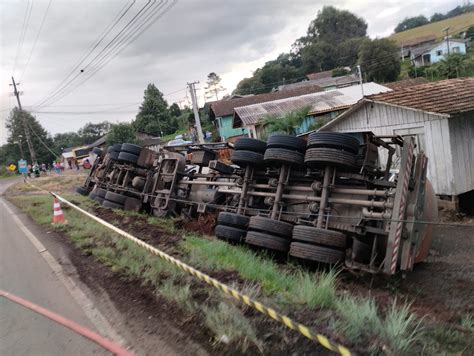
{"x":456,"y":49}
{"x":439,"y":52}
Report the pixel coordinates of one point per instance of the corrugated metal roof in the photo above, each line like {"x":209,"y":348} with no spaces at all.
{"x":450,"y":96}
{"x":328,"y":101}
{"x":226,"y":107}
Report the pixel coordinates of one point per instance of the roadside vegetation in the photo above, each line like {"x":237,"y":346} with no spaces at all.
{"x":317,"y":299}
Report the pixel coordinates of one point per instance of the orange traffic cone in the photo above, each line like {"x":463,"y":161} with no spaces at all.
{"x":58,"y":216}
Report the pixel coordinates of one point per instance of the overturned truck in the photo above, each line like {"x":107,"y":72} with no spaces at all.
{"x":356,"y":198}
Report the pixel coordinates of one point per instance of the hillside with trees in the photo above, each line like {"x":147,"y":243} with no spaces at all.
{"x":417,"y":21}
{"x":334,"y":39}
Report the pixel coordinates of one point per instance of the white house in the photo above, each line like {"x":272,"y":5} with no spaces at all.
{"x":433,"y":53}
{"x":441,"y":117}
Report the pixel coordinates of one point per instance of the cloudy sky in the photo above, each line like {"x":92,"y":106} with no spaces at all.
{"x":231,"y":38}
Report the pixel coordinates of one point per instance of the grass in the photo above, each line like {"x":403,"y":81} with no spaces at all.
{"x":288,"y":287}
{"x":170,"y":137}
{"x":455,"y":24}
{"x":229,"y":326}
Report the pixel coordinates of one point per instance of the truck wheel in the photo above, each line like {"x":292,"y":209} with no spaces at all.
{"x":250,"y":144}
{"x":232,"y":219}
{"x":132,"y":204}
{"x":279,"y":228}
{"x":115,"y":197}
{"x":83,"y":191}
{"x":117,"y":147}
{"x":128,"y":157}
{"x":245,"y":158}
{"x":318,"y":157}
{"x":288,"y":142}
{"x":316,"y":253}
{"x":230,"y":234}
{"x":319,"y":236}
{"x":101,"y":193}
{"x":271,"y":242}
{"x":335,"y":140}
{"x":131,"y":148}
{"x":113,"y":155}
{"x":112,"y":205}
{"x":283,"y":155}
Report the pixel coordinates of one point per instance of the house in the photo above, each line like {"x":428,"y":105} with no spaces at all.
{"x":433,"y":53}
{"x":410,"y":45}
{"x":325,"y":80}
{"x":222,"y":111}
{"x":440,"y":115}
{"x":406,"y":83}
{"x":323,"y":107}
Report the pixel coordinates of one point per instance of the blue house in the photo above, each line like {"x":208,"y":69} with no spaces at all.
{"x":222,"y":111}
{"x":433,"y":53}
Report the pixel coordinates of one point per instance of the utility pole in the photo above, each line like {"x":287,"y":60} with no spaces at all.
{"x":25,"y":125}
{"x":447,"y":37}
{"x":192,"y":90}
{"x":359,"y":72}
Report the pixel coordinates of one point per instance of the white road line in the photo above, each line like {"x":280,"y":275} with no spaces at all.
{"x":92,"y":313}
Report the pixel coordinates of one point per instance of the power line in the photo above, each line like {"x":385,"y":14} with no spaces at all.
{"x":26,"y":20}
{"x":36,"y":39}
{"x":41,"y":140}
{"x":64,"y":90}
{"x":140,"y":29}
{"x":123,"y":11}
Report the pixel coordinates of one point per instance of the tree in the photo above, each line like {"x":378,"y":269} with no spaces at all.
{"x":154,"y":117}
{"x":68,"y":139}
{"x":380,"y":60}
{"x":214,"y":86}
{"x":411,"y":22}
{"x":120,"y":133}
{"x":437,"y":17}
{"x":175,"y":110}
{"x":333,"y":26}
{"x":338,"y":72}
{"x":42,"y":142}
{"x":318,"y":56}
{"x":452,"y":66}
{"x":92,"y":132}
{"x":287,"y":123}
{"x":470,"y":33}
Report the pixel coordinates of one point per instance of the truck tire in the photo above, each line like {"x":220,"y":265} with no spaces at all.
{"x":232,"y":219}
{"x":131,"y":148}
{"x":132,"y":204}
{"x":316,"y":253}
{"x":335,"y":140}
{"x":111,"y":204}
{"x":271,"y":242}
{"x":230,"y":234}
{"x":287,"y":141}
{"x":117,"y":147}
{"x":83,"y":191}
{"x":100,"y":192}
{"x":319,"y":157}
{"x":283,"y":155}
{"x":128,"y":157}
{"x":250,"y":144}
{"x":113,"y":155}
{"x":115,"y":197}
{"x":275,"y":227}
{"x":319,"y":236}
{"x":246,"y":158}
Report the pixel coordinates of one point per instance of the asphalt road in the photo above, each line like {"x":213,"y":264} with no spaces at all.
{"x":25,"y":273}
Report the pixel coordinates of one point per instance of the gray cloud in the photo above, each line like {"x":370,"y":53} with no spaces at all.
{"x":231,"y":38}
